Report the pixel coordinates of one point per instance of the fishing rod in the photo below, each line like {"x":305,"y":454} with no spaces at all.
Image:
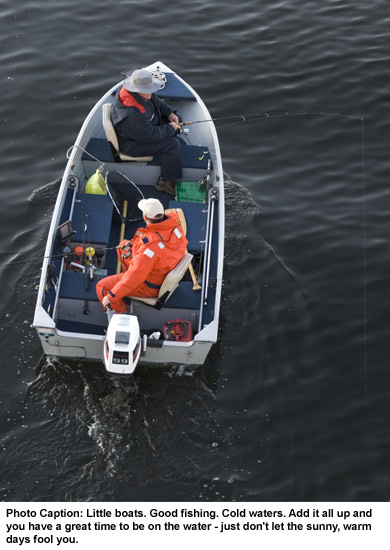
{"x":51,"y":257}
{"x":263,"y":116}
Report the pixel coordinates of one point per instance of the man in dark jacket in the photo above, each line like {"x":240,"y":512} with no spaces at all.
{"x":147,"y":125}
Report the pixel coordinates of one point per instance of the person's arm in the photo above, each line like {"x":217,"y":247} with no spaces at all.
{"x":139,"y":269}
{"x":139,"y":128}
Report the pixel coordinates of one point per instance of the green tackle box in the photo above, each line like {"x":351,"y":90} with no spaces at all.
{"x":191,"y":191}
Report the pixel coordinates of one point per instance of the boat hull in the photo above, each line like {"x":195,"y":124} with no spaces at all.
{"x":71,"y":345}
{"x":70,"y":322}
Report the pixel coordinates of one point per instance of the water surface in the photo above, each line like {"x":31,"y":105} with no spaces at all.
{"x":292,"y":404}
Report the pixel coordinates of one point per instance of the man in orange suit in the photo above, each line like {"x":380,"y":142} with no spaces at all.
{"x":154,"y":251}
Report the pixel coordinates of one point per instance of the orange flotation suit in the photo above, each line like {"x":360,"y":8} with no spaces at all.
{"x":156,"y":250}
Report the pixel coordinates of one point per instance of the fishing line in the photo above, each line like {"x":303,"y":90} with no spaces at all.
{"x":254,"y":117}
{"x":364,"y":263}
{"x":264,"y":116}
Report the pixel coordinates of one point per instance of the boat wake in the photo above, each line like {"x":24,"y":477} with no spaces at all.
{"x":136,"y":435}
{"x":44,"y":194}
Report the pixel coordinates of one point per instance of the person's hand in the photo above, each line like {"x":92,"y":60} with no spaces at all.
{"x":106,"y":301}
{"x":173,"y":118}
{"x":127,"y":249}
{"x":126,"y":245}
{"x":175,"y":126}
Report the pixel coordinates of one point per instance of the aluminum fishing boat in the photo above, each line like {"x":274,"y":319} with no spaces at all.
{"x":181,"y":325}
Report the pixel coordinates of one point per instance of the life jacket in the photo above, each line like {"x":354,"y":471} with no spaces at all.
{"x":157,"y":249}
{"x":129,"y":100}
{"x":125,"y":101}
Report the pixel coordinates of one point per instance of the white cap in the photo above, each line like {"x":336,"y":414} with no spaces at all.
{"x":152,"y":208}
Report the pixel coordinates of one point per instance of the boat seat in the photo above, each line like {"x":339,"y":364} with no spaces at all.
{"x":192,"y":156}
{"x":169,"y":285}
{"x":91,"y":218}
{"x":73,"y":287}
{"x":113,"y":139}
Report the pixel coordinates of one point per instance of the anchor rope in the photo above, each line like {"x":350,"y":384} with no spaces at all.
{"x":68,"y":154}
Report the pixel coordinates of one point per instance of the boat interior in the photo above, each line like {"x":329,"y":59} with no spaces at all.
{"x":91,"y":220}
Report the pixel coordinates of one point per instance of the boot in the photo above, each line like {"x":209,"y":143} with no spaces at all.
{"x":166,"y":186}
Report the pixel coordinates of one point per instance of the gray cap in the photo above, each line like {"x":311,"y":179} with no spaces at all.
{"x":142,"y":81}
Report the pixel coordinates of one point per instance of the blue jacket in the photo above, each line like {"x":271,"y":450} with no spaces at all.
{"x":138,"y":120}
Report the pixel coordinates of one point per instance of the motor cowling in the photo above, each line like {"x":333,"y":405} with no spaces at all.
{"x":122,"y":345}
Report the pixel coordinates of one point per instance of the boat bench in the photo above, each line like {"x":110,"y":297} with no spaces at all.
{"x":195,"y":214}
{"x":192,"y":156}
{"x":73,"y":288}
{"x":184,"y":297}
{"x":91,"y":220}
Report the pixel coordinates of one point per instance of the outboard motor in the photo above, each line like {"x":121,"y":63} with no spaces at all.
{"x":122,"y":345}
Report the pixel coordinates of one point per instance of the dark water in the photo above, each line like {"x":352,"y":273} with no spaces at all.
{"x":293,"y":402}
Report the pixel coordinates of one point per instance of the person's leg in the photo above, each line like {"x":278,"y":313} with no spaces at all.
{"x":171,"y":160}
{"x":169,"y":149}
{"x":104,"y":286}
